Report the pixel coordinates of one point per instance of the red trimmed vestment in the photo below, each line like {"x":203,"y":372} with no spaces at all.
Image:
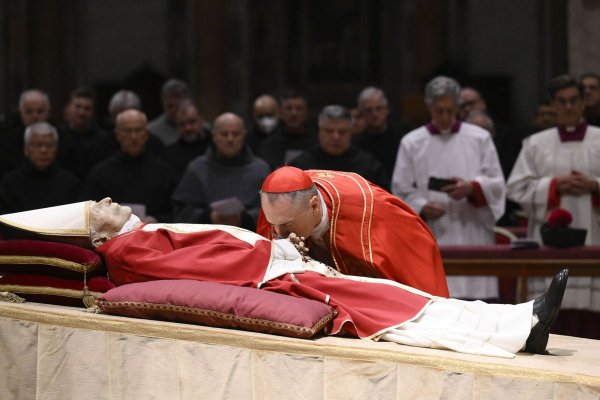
{"x":373,"y":233}
{"x":162,"y":251}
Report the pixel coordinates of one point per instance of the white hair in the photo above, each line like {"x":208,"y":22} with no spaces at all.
{"x":442,"y":86}
{"x":40,"y":128}
{"x":370,"y":92}
{"x":124,"y":100}
{"x":27,"y":93}
{"x":335,"y":112}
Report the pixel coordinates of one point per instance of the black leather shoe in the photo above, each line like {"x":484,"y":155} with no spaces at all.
{"x":546,"y":309}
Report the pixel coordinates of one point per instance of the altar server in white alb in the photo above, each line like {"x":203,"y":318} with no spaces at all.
{"x":465,"y":208}
{"x":560,"y":167}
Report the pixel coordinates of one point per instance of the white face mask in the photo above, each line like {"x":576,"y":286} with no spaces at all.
{"x":267,"y":124}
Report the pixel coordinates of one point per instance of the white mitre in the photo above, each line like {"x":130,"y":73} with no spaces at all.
{"x":68,"y":223}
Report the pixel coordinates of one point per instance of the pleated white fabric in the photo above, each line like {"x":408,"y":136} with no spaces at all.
{"x":471,"y":327}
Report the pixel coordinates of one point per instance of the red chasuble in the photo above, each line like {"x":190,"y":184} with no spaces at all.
{"x":210,"y":255}
{"x":364,"y":309}
{"x":375,"y":234}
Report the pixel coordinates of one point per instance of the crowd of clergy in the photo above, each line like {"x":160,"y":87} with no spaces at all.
{"x":463,"y":172}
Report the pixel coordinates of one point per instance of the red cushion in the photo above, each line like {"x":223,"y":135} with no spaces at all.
{"x":54,"y":290}
{"x":220,"y":305}
{"x":47,"y":258}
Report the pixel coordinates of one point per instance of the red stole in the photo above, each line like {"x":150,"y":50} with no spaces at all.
{"x":353,"y":226}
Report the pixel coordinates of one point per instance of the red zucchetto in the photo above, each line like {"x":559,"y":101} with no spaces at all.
{"x":560,"y":218}
{"x":286,"y":179}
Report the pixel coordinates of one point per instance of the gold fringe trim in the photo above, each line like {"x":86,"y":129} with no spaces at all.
{"x":52,"y":261}
{"x":47,"y":290}
{"x":171,"y":330}
{"x":93,"y":309}
{"x":11,"y":298}
{"x":246,"y":322}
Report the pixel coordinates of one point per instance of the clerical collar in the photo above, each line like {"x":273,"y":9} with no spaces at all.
{"x":434,"y":130}
{"x":572,"y":133}
{"x":130,"y":225}
{"x":323,"y":226}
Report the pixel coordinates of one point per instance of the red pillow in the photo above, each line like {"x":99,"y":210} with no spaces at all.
{"x":220,"y":305}
{"x":47,"y":258}
{"x":55,"y":290}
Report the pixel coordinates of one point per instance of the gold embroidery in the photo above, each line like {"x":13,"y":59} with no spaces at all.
{"x":52,"y":261}
{"x":47,"y":290}
{"x":367,"y":217}
{"x":324,"y":175}
{"x":244,"y":322}
{"x":368,"y":244}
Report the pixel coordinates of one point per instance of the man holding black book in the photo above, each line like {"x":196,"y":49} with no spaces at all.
{"x":448,"y":172}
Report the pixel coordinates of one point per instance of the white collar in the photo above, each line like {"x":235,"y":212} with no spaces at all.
{"x":130,"y":224}
{"x":323,"y":226}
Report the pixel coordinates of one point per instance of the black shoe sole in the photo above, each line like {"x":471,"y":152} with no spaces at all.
{"x":538,"y":338}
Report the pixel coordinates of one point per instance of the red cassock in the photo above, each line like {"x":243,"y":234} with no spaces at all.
{"x":375,"y":234}
{"x":364,"y":309}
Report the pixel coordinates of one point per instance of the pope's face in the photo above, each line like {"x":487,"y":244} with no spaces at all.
{"x":107,"y":218}
{"x":285,"y":216}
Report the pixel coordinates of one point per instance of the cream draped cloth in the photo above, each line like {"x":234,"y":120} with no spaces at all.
{"x":498,"y":330}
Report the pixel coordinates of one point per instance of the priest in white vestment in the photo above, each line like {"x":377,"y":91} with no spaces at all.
{"x":560,"y":167}
{"x":464,"y":211}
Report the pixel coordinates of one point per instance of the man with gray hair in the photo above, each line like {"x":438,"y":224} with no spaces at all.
{"x":380,"y":137}
{"x":448,"y":172}
{"x":336,"y":152}
{"x":39,"y":182}
{"x":34,"y":106}
{"x":164,"y":126}
{"x":106,"y":144}
{"x":121,"y":101}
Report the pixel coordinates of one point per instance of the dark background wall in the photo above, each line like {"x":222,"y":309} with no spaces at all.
{"x":233,"y":50}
